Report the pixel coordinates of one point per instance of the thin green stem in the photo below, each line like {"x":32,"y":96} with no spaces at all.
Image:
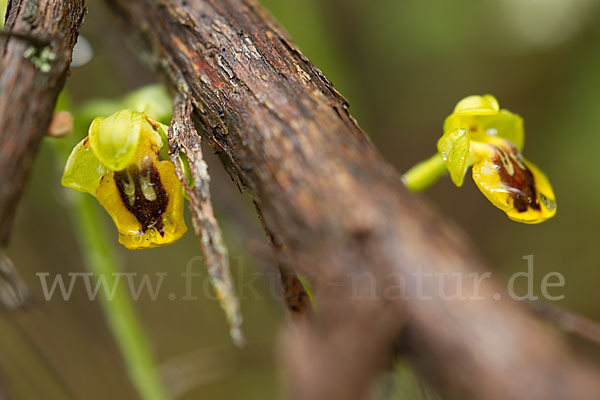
{"x":425,"y":173}
{"x":119,"y":310}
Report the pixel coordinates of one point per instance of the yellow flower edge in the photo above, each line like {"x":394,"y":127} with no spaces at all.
{"x":513,"y":184}
{"x":162,"y":226}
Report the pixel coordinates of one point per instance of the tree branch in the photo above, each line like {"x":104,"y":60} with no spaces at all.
{"x":342,"y":215}
{"x":31,"y":76}
{"x":568,"y":321}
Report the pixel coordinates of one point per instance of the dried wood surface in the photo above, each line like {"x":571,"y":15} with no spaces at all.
{"x":35,"y":54}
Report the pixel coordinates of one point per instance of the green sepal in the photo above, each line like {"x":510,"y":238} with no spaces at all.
{"x":83,"y":171}
{"x":508,"y":126}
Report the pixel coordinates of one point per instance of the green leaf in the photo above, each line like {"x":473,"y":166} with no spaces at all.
{"x":454,"y":148}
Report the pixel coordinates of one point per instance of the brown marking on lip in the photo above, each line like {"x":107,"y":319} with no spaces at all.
{"x":521,"y":184}
{"x":148,"y":213}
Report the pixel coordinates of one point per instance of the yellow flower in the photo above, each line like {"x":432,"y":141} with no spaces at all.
{"x":479,"y":134}
{"x":119,"y":163}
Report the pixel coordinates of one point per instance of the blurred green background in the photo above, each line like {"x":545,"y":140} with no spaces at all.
{"x":402,"y":65}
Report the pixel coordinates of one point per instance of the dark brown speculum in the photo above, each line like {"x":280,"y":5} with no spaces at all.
{"x":517,"y":178}
{"x":143,"y":194}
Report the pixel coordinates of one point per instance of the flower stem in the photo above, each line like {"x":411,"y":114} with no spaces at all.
{"x":118,"y":310}
{"x":424,"y":174}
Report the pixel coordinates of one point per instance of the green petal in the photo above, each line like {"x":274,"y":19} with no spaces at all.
{"x":483,"y":127}
{"x":477,"y":105}
{"x":507,"y":126}
{"x":83,"y":170}
{"x":454,"y":148}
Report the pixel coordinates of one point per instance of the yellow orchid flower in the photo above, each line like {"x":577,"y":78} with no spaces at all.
{"x":119,"y":164}
{"x":480,"y":135}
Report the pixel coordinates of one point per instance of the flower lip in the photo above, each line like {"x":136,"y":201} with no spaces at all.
{"x":143,"y":195}
{"x":512,"y":183}
{"x":517,"y":178}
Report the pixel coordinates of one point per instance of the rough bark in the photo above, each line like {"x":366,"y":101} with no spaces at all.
{"x":34,"y":62}
{"x":344,"y":219}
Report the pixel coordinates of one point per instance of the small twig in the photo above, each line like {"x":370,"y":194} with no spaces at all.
{"x":14,"y":293}
{"x":293,"y":292}
{"x":568,"y":321}
{"x":183,"y":140}
{"x":190,"y":371}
